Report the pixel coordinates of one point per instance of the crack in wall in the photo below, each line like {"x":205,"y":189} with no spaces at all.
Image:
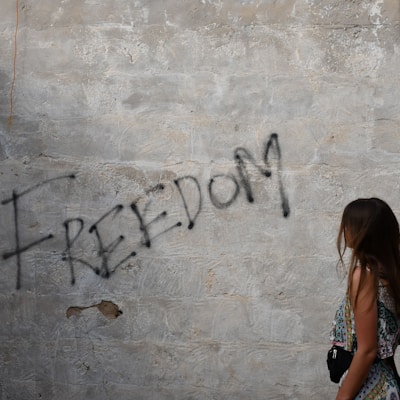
{"x":107,"y":308}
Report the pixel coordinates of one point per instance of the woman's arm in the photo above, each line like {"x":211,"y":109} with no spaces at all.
{"x":365,"y":317}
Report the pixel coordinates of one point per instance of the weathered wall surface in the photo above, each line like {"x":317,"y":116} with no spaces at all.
{"x":171,"y":187}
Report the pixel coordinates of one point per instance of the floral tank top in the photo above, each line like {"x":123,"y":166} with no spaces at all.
{"x":381,"y":382}
{"x":343,"y":328}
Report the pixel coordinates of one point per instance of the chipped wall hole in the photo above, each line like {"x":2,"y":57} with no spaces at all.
{"x":107,"y":308}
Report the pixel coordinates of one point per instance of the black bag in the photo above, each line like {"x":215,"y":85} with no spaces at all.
{"x":338,"y":361}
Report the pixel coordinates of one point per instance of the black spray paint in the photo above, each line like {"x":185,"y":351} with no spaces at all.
{"x":243,"y":156}
{"x":186,"y":184}
{"x":145,"y":226}
{"x":213,"y":181}
{"x":192,"y":219}
{"x":273,"y":145}
{"x":104,"y":251}
{"x":18,"y":248}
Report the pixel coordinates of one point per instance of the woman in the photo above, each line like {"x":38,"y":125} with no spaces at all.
{"x":367,"y":322}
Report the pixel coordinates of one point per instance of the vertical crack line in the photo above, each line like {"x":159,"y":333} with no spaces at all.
{"x":10,"y":118}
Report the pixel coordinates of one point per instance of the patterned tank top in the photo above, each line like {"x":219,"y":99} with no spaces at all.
{"x":343,"y":327}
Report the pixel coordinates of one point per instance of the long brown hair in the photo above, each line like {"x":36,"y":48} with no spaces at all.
{"x":370,"y":228}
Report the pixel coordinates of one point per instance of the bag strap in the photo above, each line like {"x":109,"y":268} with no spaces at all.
{"x":349,"y":324}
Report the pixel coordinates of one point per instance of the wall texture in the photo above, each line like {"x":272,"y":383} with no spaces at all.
{"x":171,"y":184}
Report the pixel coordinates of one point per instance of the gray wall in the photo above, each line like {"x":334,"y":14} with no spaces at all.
{"x":171,"y":187}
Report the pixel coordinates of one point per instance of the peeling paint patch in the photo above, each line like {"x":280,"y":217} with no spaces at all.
{"x":375,"y":12}
{"x":107,"y":308}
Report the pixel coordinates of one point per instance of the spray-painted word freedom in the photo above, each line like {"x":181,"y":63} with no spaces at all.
{"x":105,"y":265}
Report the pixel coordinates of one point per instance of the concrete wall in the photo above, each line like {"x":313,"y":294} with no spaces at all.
{"x":171,"y":186}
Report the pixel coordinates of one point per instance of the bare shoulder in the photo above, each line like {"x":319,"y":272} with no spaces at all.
{"x":363,"y":286}
{"x":357,"y":275}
